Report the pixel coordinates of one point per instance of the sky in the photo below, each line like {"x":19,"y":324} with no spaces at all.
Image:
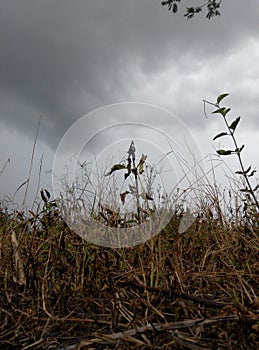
{"x":66,"y":61}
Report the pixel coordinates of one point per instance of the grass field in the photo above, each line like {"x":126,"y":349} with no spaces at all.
{"x":194,"y":290}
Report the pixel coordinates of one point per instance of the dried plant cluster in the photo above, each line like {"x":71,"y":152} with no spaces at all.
{"x":196,"y":290}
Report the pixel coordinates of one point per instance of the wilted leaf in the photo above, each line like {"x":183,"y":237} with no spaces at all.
{"x":223,"y":152}
{"x":141,"y":163}
{"x":115,"y":168}
{"x":123,"y":196}
{"x":220,"y":97}
{"x":219,"y":135}
{"x":234,"y":124}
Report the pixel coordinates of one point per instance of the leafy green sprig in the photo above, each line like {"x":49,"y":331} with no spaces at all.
{"x":248,"y":172}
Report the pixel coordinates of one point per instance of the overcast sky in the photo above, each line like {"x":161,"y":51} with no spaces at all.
{"x":62,"y":59}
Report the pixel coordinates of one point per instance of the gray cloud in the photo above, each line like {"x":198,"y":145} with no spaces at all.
{"x":61,"y":59}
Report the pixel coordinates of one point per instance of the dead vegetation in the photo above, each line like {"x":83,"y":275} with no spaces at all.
{"x":195,"y":290}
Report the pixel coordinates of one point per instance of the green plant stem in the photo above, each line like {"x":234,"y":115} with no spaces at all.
{"x":240,"y":160}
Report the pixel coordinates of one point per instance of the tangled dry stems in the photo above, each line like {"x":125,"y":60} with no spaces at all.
{"x":196,"y":290}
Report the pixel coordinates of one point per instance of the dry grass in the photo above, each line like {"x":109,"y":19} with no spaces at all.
{"x":196,"y":290}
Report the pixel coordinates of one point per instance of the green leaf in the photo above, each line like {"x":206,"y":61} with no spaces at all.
{"x":226,"y":111}
{"x":219,"y":110}
{"x":220,"y":97}
{"x":219,"y":135}
{"x":141,"y":170}
{"x":234,"y":124}
{"x":223,"y":152}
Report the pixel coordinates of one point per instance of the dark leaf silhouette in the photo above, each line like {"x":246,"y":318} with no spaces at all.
{"x":223,"y":152}
{"x":220,"y":97}
{"x":219,"y":110}
{"x":219,"y":135}
{"x":234,"y":124}
{"x":252,"y":173}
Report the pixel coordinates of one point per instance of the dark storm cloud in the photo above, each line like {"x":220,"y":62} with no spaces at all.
{"x":62,"y":58}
